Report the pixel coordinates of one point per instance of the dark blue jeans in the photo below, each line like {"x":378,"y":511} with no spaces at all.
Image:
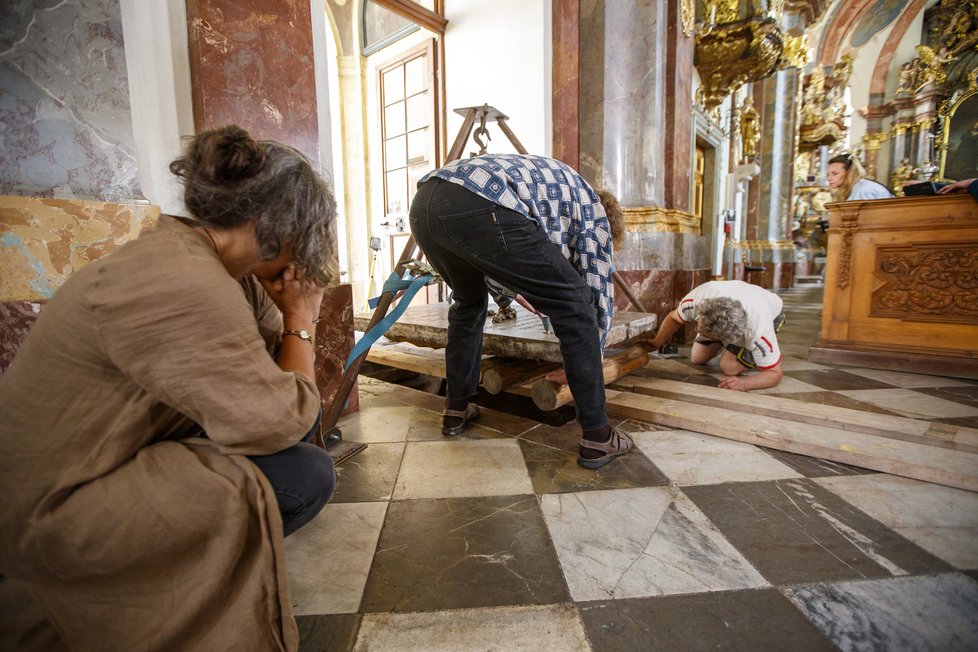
{"x":467,"y":238}
{"x":303,"y":477}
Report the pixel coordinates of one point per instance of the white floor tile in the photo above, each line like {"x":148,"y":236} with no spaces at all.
{"x":913,"y":404}
{"x":641,"y":542}
{"x":941,"y":520}
{"x":907,"y":613}
{"x":555,"y":628}
{"x":689,"y":458}
{"x":454,"y":469}
{"x":329,"y":559}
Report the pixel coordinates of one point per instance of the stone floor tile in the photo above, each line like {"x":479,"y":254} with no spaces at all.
{"x":463,"y":552}
{"x":369,"y":475}
{"x":553,"y":470}
{"x":836,"y":379}
{"x":547,"y":628}
{"x":457,"y":468}
{"x":689,"y":458}
{"x":941,"y":520}
{"x":329,"y":558}
{"x":758,"y":620}
{"x":813,"y":467}
{"x":379,"y":424}
{"x":907,"y":613}
{"x":796,"y":531}
{"x":913,"y":404}
{"x":640,"y":542}
{"x":333,"y":633}
{"x":835,"y":399}
{"x":907,"y":380}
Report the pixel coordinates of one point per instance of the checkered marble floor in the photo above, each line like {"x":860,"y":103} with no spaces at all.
{"x":497,"y":540}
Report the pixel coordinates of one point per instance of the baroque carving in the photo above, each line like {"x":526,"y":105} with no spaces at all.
{"x":928,"y":282}
{"x":731,"y":52}
{"x":848,"y":225}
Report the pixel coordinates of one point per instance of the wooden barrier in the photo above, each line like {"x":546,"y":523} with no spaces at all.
{"x":900,"y":288}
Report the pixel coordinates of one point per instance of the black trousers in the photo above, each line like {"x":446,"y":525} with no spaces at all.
{"x":303,"y":477}
{"x":468,"y":238}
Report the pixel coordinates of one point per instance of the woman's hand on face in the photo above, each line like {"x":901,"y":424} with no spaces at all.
{"x":295,"y":297}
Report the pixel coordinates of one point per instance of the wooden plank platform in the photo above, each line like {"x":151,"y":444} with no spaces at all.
{"x":427,"y":325}
{"x":951,"y":468}
{"x":882,"y":425}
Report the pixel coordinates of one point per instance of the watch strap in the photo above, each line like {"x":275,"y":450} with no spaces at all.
{"x":302,"y":334}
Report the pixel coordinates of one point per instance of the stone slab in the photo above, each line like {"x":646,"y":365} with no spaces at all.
{"x":427,"y":325}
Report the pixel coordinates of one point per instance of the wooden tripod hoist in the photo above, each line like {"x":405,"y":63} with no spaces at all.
{"x":329,"y":436}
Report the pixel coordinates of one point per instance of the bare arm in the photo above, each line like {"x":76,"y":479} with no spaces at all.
{"x":667,"y":329}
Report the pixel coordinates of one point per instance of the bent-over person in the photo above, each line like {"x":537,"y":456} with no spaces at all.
{"x":737,"y":320}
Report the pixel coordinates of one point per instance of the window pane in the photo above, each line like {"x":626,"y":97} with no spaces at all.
{"x":394,"y":153}
{"x":394,"y":119}
{"x":417,"y":112}
{"x":397,"y":201}
{"x":416,"y":76}
{"x":417,"y":146}
{"x":394,"y":85}
{"x":415,"y":172}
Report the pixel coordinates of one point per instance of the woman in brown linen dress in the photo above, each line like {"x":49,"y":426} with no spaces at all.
{"x":150,"y":439}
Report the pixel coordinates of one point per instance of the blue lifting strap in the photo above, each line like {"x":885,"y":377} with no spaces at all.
{"x":393,"y":285}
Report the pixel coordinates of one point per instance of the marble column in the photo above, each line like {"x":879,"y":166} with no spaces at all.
{"x":769,"y":219}
{"x":623,"y":98}
{"x":636,"y":141}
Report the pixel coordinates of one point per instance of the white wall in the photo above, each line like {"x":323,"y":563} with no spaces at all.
{"x":499,"y":53}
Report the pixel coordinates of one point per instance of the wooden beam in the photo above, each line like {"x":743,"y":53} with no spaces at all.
{"x":431,"y":365}
{"x":498,"y":379}
{"x":908,"y":459}
{"x":881,"y":425}
{"x":416,"y":13}
{"x":552,"y":391}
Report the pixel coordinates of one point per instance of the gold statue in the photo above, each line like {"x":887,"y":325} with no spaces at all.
{"x":905,"y":84}
{"x":901,"y":176}
{"x":931,"y":68}
{"x":842,"y":70}
{"x":750,"y":129}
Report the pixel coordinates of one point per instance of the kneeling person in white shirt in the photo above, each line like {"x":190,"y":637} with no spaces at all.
{"x":737,"y":320}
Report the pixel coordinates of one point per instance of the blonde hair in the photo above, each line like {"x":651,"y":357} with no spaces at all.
{"x":854,"y":173}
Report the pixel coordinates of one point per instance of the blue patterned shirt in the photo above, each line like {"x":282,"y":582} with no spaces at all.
{"x":558,"y":199}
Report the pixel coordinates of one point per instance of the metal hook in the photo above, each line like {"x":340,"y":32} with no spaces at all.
{"x":481,"y":131}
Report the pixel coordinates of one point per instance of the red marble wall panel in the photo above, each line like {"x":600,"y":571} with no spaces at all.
{"x":566,"y":82}
{"x":252,"y":64}
{"x":16,"y":318}
{"x":334,"y":341}
{"x":679,"y":84}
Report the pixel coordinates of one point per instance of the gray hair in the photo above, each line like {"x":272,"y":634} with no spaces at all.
{"x":722,"y":318}
{"x":231,"y":179}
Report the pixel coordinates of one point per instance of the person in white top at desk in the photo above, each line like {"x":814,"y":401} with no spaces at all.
{"x":848,"y":181}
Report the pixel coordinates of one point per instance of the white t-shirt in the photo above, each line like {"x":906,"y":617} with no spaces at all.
{"x":761,"y":306}
{"x":869,"y":189}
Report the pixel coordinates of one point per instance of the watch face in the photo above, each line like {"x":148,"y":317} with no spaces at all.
{"x":304,"y":334}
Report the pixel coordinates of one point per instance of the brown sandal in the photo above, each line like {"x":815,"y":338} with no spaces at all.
{"x":617,"y":444}
{"x":470,"y":413}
